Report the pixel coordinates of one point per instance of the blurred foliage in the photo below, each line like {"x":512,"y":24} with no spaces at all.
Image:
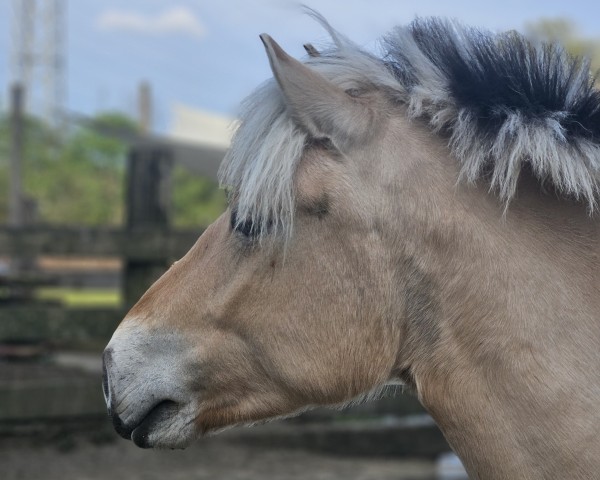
{"x":75,"y":177}
{"x":565,"y":32}
{"x":78,"y":176}
{"x":196,"y":200}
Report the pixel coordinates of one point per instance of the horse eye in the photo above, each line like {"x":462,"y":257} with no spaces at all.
{"x":246,"y":228}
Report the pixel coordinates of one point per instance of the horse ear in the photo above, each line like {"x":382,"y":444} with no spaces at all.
{"x":322,"y":108}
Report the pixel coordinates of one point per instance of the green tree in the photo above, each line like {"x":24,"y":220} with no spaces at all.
{"x":75,"y":177}
{"x":82,"y":181}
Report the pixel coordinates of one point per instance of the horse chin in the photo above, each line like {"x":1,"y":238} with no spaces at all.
{"x":216,"y":421}
{"x":168,"y":425}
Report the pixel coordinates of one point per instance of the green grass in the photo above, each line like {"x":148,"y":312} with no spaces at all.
{"x":88,"y":297}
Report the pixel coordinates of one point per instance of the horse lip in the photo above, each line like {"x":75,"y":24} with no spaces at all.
{"x":123,"y":430}
{"x":140,"y":433}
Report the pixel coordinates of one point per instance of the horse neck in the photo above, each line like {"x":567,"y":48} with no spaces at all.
{"x":513,"y":365}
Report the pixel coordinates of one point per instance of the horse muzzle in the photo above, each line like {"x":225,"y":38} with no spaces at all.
{"x":144,"y":390}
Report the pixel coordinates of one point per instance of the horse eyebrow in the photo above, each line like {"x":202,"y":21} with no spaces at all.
{"x":319,"y":207}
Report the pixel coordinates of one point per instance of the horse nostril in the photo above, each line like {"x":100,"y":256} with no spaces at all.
{"x":106,"y":360}
{"x":105,"y":387}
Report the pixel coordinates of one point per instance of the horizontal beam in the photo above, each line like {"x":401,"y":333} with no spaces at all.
{"x":85,"y":279}
{"x":199,"y":158}
{"x":140,"y":244}
{"x":57,"y":325}
{"x":203,"y":160}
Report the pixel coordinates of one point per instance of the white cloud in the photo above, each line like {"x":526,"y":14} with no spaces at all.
{"x":174,"y":20}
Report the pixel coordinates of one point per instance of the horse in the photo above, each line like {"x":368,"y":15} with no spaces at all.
{"x":424,"y":215}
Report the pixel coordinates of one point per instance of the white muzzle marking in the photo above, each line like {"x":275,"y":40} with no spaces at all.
{"x":146,"y":386}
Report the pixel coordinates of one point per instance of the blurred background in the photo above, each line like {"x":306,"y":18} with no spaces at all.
{"x":114,"y":117}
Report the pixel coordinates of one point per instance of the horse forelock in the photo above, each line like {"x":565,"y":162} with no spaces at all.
{"x":260,"y":165}
{"x":503,"y":102}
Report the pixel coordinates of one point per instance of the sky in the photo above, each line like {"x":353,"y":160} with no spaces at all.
{"x":206,"y":54}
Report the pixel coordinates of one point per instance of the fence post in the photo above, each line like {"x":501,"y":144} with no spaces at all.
{"x":148,"y":198}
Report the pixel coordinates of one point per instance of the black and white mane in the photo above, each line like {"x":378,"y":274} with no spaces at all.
{"x":503,"y":101}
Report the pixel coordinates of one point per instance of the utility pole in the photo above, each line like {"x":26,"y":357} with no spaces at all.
{"x":53,"y":59}
{"x":15,"y":204}
{"x":145,"y":108}
{"x":23,"y":43}
{"x":38,"y":55}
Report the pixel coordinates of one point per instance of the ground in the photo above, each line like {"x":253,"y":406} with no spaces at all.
{"x":208,"y":459}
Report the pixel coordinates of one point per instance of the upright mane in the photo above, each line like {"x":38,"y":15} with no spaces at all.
{"x":502,"y":101}
{"x":505,"y":102}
